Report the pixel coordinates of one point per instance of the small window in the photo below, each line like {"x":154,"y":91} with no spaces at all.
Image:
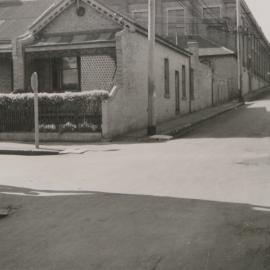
{"x":70,"y":74}
{"x":192,"y":94}
{"x":211,"y":12}
{"x":167,"y":77}
{"x":184,"y":87}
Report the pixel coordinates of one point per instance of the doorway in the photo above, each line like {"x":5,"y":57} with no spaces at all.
{"x":177,"y":92}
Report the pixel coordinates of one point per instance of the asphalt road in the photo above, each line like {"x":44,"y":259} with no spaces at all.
{"x":119,"y":232}
{"x":199,"y":202}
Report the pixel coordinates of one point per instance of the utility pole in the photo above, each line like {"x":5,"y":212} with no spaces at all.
{"x":239,"y":52}
{"x":151,"y":56}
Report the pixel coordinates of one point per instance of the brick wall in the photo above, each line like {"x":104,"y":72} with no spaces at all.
{"x":68,"y":21}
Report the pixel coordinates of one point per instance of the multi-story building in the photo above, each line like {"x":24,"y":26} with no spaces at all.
{"x":213,"y":23}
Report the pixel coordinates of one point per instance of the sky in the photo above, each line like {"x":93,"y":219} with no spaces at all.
{"x":261,"y":11}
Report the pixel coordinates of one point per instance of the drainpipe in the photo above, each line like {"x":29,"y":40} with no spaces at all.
{"x":18,"y":57}
{"x":239,"y":52}
{"x":193,"y":47}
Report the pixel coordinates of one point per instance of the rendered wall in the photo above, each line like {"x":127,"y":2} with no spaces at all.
{"x":127,"y":110}
{"x":225,"y":78}
{"x":202,"y":80}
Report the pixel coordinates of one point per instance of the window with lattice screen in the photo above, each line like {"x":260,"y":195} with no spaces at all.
{"x":97,"y":72}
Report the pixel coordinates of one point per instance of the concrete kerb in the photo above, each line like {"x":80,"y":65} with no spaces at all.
{"x":21,"y":152}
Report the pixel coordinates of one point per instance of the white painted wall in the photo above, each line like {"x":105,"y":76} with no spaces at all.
{"x":127,"y":111}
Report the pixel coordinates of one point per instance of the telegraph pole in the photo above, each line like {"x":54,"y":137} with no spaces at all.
{"x":239,"y":53}
{"x":151,"y":56}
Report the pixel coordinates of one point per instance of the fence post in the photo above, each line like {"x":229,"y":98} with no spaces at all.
{"x":34,"y":85}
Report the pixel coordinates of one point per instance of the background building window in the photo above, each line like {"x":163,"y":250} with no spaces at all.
{"x":70,"y":73}
{"x":167,"y":77}
{"x":175,"y":22}
{"x":211,"y":12}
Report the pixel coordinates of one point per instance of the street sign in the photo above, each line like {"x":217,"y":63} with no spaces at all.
{"x":34,"y":85}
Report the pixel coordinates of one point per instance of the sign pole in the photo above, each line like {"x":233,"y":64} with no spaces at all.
{"x":34,"y":85}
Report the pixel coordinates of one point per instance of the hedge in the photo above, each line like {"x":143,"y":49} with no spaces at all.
{"x":68,"y":101}
{"x":63,"y":112}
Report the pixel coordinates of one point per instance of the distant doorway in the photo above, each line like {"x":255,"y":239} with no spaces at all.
{"x":177,"y":92}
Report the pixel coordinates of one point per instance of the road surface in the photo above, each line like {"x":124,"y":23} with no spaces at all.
{"x":198,"y":202}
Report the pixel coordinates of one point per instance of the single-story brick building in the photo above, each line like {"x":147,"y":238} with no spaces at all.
{"x":83,"y":46}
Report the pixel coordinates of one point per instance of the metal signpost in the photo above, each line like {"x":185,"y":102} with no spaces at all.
{"x":34,"y":85}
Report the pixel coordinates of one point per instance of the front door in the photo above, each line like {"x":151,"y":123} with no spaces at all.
{"x":177,"y":92}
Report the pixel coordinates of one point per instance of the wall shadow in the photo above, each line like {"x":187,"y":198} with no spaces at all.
{"x":113,"y":231}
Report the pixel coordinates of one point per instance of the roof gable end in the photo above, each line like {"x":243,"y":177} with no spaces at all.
{"x":56,"y":9}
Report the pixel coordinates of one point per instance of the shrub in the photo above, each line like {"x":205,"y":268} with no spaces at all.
{"x":61,"y":112}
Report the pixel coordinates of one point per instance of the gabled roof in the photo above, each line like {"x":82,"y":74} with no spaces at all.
{"x":32,"y":16}
{"x":123,"y":20}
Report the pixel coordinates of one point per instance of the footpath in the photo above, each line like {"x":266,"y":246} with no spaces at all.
{"x":182,"y":124}
{"x":176,"y":127}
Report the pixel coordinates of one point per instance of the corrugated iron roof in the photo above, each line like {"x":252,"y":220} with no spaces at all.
{"x":215,"y":51}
